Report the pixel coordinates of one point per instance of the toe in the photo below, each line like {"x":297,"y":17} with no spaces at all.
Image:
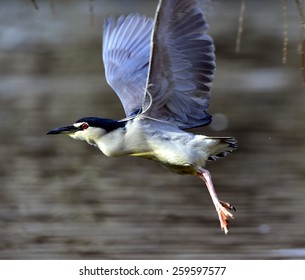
{"x":223,"y":215}
{"x":228,"y":206}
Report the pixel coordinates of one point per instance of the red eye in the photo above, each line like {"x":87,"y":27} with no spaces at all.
{"x":85,"y":126}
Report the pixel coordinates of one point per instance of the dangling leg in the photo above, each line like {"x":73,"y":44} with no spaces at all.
{"x":221,"y":206}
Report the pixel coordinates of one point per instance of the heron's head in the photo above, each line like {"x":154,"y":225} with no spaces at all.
{"x":90,"y":129}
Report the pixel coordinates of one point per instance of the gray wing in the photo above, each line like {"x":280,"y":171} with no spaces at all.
{"x":182,"y":65}
{"x":126,"y":51}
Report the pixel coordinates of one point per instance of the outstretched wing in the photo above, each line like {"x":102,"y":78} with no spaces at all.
{"x":126,"y":51}
{"x":182,"y":65}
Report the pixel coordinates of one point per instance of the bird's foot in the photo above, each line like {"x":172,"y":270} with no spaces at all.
{"x":223,"y":214}
{"x":227,"y":205}
{"x":223,"y":208}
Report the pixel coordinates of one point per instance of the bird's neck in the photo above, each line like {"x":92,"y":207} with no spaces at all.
{"x":112,"y":143}
{"x":128,"y":140}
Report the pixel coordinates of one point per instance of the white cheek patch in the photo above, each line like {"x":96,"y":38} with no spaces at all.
{"x":78,"y":124}
{"x":90,"y":135}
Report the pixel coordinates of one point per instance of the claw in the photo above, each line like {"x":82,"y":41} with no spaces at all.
{"x":223,"y":215}
{"x":227,"y":205}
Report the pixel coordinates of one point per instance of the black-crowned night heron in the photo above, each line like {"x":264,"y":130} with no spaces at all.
{"x":162,"y":71}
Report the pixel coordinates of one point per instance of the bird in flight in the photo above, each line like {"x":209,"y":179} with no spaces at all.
{"x":162,"y":70}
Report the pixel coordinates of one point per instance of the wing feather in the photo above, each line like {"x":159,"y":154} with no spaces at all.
{"x":182,"y":65}
{"x":126,"y":51}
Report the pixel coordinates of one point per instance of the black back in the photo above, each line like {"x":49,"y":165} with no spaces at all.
{"x":107,"y":124}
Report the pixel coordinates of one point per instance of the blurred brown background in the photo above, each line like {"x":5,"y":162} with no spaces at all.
{"x":62,"y":199}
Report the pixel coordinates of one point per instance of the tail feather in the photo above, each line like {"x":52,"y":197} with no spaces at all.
{"x":226,"y":144}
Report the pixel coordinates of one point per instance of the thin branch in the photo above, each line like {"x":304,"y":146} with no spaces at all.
{"x":91,"y":11}
{"x":240,"y":25}
{"x":35,"y":4}
{"x":285,"y":32}
{"x":303,"y":62}
{"x":299,"y":4}
{"x":52,"y":5}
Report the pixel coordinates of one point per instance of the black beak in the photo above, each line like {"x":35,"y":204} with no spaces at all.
{"x":63,"y":130}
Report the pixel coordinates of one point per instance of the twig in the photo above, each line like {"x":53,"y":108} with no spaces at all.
{"x":240,"y":25}
{"x":299,"y":4}
{"x":35,"y":4}
{"x":285,"y":32}
{"x":91,"y":11}
{"x":52,"y":5}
